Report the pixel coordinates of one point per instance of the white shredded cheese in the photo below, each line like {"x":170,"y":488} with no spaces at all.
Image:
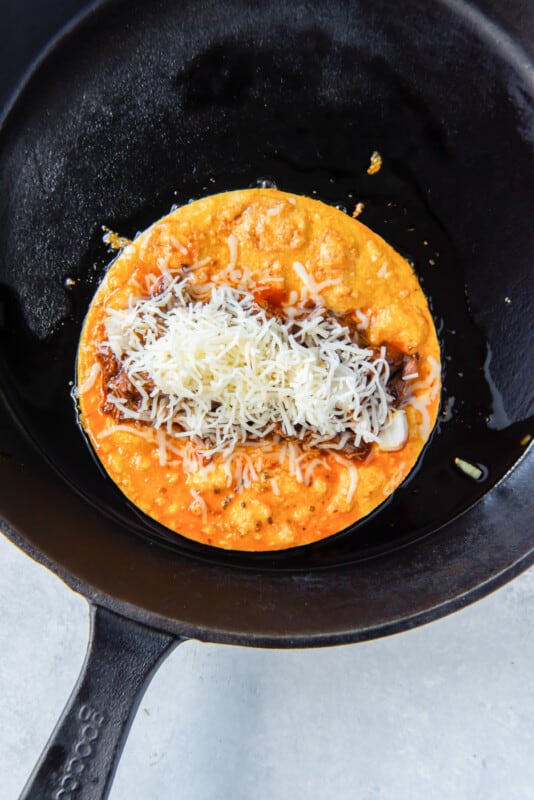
{"x":199,"y":504}
{"x":199,"y":264}
{"x":310,"y":468}
{"x":232,"y":248}
{"x":363,"y":320}
{"x":429,"y":389}
{"x":472,"y":470}
{"x":176,"y":243}
{"x":224,"y":372}
{"x":111,"y":429}
{"x":353,"y":483}
{"x":312,"y":288}
{"x":89,"y":382}
{"x":383,"y":271}
{"x":420,"y":404}
{"x":394,"y":434}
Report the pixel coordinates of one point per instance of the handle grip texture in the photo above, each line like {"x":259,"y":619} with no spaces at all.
{"x":80,"y":758}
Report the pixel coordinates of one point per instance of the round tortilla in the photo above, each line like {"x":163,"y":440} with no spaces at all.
{"x":362,"y":275}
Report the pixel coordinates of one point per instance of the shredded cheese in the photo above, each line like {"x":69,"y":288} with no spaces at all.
{"x":223,"y":372}
{"x":363,"y":320}
{"x":90,"y":381}
{"x":232,"y":248}
{"x":423,"y":393}
{"x":176,"y":243}
{"x":144,"y":433}
{"x":198,"y":504}
{"x":383,"y":271}
{"x":311,"y":287}
{"x":353,"y":477}
{"x":471,"y":470}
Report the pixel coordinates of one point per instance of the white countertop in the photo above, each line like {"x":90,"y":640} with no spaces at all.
{"x":443,"y":712}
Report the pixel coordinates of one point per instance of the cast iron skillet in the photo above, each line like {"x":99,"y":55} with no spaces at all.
{"x":143,"y":105}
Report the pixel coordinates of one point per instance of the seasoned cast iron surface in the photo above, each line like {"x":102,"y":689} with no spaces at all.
{"x":144,"y":107}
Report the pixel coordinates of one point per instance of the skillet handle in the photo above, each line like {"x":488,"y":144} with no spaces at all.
{"x":79,"y":760}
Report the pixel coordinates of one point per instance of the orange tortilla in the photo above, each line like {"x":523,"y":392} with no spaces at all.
{"x":273,"y":230}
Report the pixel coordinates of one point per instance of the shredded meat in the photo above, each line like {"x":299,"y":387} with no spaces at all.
{"x":349,"y":448}
{"x":109,"y":363}
{"x":117,"y":382}
{"x":359,"y":453}
{"x":122,"y":386}
{"x":401,"y":367}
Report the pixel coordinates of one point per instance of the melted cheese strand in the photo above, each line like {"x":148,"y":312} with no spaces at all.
{"x":90,"y":380}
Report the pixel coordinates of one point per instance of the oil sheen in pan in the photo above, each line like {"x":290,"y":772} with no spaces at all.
{"x":436,"y":490}
{"x":159,"y":491}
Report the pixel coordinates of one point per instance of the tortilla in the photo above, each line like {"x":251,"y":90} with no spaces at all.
{"x":286,"y":252}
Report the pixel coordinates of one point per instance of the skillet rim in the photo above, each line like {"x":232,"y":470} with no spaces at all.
{"x":463,"y":589}
{"x":467,"y":594}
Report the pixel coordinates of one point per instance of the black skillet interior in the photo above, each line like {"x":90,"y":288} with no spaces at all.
{"x":146,"y":105}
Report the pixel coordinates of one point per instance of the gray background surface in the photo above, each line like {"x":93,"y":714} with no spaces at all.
{"x":444,"y":712}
